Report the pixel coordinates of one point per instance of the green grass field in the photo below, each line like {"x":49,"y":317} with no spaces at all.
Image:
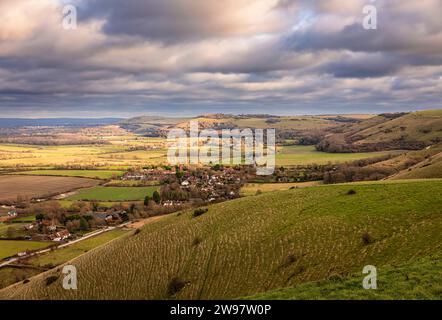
{"x":10,"y":248}
{"x":98,"y":174}
{"x":26,"y":219}
{"x":113,"y":193}
{"x":17,"y":227}
{"x":258,"y":244}
{"x":60,"y":256}
{"x":302,"y":155}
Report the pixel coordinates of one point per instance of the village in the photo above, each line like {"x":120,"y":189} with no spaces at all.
{"x":178,"y":187}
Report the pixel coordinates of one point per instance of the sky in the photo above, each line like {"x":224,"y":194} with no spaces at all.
{"x":190,"y":57}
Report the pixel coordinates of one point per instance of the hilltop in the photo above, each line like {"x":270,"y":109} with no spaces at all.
{"x":256,"y":244}
{"x":305,"y":129}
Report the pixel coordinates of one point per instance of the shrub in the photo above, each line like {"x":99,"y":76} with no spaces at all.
{"x":156,"y":197}
{"x":196,"y":241}
{"x":291,"y":258}
{"x":175,"y":286}
{"x":367,"y":238}
{"x":199,"y":212}
{"x":51,"y":279}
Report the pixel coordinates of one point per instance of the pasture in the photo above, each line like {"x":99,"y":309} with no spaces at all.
{"x":113,"y":193}
{"x":120,"y":152}
{"x":39,"y":186}
{"x":9,"y":248}
{"x":13,"y":229}
{"x":304,"y":155}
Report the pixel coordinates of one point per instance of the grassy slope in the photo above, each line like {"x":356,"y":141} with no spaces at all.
{"x":417,"y":280}
{"x":256,"y":244}
{"x":422,"y":164}
{"x":11,"y":275}
{"x":251,"y":189}
{"x":420,"y":126}
{"x":416,"y":126}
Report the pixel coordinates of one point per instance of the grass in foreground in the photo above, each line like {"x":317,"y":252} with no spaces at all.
{"x":417,"y":280}
{"x":113,"y":193}
{"x":257,"y":244}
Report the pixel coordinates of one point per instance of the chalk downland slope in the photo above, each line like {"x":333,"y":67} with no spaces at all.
{"x":411,"y":131}
{"x":256,"y":244}
{"x":422,"y":164}
{"x":420,"y":279}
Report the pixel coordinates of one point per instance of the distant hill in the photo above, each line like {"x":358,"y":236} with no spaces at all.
{"x":421,"y":164}
{"x":411,"y":131}
{"x":309,"y":129}
{"x":19,"y":122}
{"x":261,"y":243}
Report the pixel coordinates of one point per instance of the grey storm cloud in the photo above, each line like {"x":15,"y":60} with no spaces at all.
{"x":188,"y":56}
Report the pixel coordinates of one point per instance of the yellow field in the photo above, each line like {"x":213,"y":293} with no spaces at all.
{"x":121,"y":152}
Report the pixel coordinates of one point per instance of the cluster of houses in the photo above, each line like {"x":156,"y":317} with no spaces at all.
{"x":112,"y":219}
{"x":148,"y":174}
{"x":214,"y":184}
{"x":53,"y":232}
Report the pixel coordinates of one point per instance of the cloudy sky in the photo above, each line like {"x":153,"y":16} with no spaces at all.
{"x":187,"y":57}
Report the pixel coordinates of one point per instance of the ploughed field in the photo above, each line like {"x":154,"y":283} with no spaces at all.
{"x":39,"y":186}
{"x":257,"y":244}
{"x":95,"y":174}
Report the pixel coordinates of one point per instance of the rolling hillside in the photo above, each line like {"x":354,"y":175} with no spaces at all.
{"x":422,"y":164}
{"x":412,"y":131}
{"x":288,"y":127}
{"x":257,"y":244}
